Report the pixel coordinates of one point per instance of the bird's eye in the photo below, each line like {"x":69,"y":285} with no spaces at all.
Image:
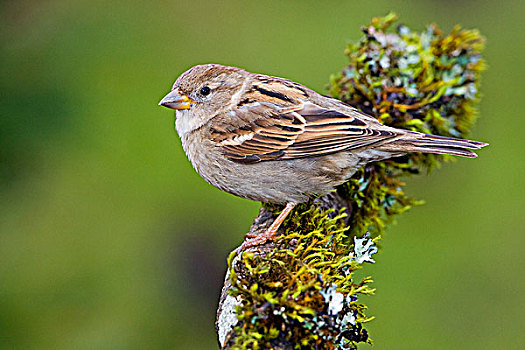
{"x":205,"y":91}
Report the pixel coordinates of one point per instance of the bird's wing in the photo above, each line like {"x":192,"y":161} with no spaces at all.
{"x":255,"y":132}
{"x":258,"y":132}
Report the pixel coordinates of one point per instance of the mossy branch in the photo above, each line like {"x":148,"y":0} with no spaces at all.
{"x":299,"y":292}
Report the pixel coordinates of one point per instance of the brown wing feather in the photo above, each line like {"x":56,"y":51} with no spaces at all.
{"x":304,"y":130}
{"x":256,"y":132}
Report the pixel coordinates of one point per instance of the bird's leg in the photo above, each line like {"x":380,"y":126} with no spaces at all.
{"x":272,"y":230}
{"x":270,"y":233}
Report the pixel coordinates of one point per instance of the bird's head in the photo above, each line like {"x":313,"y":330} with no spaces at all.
{"x":203,"y":92}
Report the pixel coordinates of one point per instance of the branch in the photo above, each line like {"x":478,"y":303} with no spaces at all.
{"x":298,"y":292}
{"x":303,"y":263}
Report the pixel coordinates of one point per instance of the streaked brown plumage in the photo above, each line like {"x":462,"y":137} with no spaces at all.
{"x":273,"y":140}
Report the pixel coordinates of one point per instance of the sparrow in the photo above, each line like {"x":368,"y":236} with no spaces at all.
{"x":273,"y":140}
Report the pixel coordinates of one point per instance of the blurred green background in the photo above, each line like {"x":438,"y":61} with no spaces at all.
{"x":110,"y":240}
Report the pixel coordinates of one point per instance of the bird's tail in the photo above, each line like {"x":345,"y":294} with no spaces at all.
{"x":419,"y":142}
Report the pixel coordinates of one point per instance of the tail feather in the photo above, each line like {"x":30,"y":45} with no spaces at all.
{"x":418,"y":142}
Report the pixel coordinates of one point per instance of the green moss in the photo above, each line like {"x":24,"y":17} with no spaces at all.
{"x":303,"y":293}
{"x":425,"y":82}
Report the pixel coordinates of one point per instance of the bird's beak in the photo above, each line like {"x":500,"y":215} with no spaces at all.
{"x":176,"y":100}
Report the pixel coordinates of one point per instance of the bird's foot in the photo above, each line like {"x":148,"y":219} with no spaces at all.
{"x":253,"y":240}
{"x":256,"y":240}
{"x":250,"y":235}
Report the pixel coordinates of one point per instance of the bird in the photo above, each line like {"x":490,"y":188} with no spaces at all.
{"x":273,"y":140}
